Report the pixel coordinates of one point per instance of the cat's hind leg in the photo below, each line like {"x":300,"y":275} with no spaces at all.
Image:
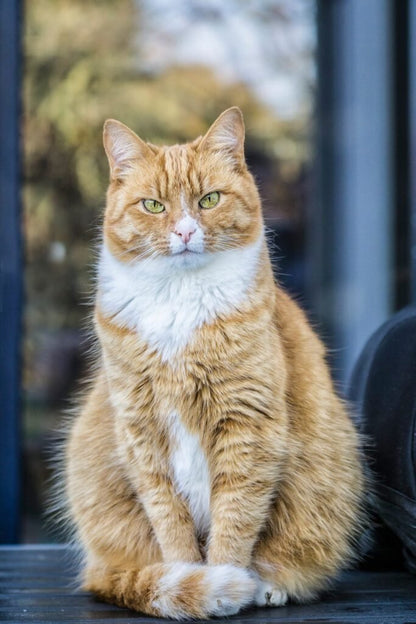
{"x":111,"y":524}
{"x":302,"y":550}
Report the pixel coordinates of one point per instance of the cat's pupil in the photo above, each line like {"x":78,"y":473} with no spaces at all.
{"x":210,"y":200}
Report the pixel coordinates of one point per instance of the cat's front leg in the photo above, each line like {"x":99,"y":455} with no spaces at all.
{"x":171,"y":521}
{"x":168,"y":513}
{"x":245,"y":472}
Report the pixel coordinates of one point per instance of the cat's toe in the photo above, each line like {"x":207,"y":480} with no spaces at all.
{"x":277,"y":598}
{"x":269,"y":595}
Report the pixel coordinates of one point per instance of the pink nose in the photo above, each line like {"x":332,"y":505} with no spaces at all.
{"x":185,"y":229}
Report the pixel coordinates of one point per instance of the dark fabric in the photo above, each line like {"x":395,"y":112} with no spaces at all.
{"x":383,"y":389}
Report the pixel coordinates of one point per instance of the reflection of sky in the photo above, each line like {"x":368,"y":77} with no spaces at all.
{"x":268,"y":44}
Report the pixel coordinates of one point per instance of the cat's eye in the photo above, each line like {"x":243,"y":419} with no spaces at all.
{"x":210,"y":200}
{"x":153,"y":206}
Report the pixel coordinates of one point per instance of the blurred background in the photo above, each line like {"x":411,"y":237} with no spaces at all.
{"x":326,"y":92}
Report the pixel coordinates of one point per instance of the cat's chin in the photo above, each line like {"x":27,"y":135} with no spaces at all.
{"x":189,"y":259}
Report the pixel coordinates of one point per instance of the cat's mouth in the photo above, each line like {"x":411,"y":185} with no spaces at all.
{"x":189,"y":258}
{"x":186,"y":252}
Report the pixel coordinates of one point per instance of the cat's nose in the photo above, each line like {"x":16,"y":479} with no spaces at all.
{"x":185,"y":228}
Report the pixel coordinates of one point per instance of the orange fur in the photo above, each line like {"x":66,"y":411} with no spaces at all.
{"x":250,"y":385}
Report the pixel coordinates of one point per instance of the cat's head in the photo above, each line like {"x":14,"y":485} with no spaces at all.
{"x":184,"y":202}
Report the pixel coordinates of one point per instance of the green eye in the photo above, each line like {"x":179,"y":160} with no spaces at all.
{"x":153,"y":206}
{"x":210,"y":200}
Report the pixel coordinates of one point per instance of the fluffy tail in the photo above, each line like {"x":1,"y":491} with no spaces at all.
{"x":179,"y":590}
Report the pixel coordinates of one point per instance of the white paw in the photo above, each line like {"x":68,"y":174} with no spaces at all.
{"x":269,"y":595}
{"x":230,"y":589}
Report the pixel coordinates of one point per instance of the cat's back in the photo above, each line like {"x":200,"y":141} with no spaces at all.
{"x":300,"y":340}
{"x":320,"y":427}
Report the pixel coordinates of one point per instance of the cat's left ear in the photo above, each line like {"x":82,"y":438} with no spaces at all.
{"x":226,"y":135}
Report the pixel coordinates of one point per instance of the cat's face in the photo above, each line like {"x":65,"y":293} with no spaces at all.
{"x":184,"y":202}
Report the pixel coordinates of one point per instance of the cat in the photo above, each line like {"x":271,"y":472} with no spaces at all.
{"x":212,"y":465}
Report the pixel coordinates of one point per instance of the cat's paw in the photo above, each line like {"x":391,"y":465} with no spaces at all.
{"x":268,"y":595}
{"x":229,"y":589}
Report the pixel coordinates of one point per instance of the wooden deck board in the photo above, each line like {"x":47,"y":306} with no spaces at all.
{"x":37,"y":585}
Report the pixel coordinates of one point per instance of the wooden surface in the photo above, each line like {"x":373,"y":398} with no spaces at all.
{"x":37,"y":585}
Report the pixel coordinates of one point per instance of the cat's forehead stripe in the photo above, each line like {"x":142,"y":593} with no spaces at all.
{"x":180,"y":175}
{"x":162,"y":179}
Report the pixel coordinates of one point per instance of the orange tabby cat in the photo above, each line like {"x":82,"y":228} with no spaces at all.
{"x":212,"y":465}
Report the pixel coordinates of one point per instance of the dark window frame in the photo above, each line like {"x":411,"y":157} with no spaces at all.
{"x":10,"y":269}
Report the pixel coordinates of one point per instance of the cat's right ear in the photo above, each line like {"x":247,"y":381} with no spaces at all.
{"x":123,"y":148}
{"x":226,"y":135}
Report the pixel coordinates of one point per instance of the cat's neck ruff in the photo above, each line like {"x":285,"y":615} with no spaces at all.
{"x":166,"y":303}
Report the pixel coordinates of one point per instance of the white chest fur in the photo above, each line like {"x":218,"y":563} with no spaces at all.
{"x":190,"y":472}
{"x":166,"y":301}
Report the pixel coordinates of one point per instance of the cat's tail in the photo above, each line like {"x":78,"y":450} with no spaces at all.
{"x":180,"y":590}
